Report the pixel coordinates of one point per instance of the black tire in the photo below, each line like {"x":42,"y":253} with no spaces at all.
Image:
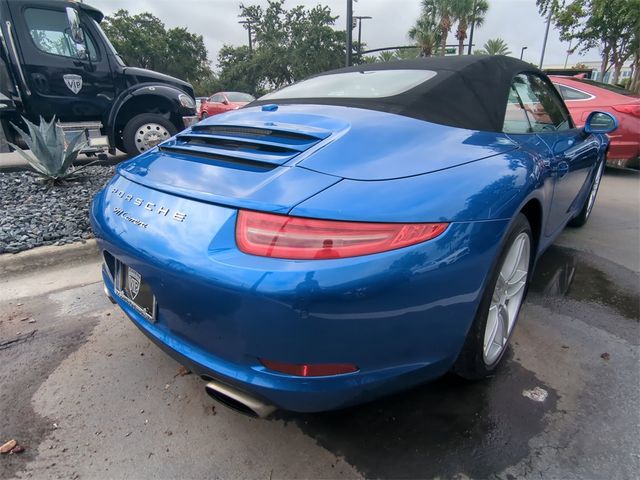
{"x":204,"y":115}
{"x":471,"y":364}
{"x":130,"y":144}
{"x":585,"y":212}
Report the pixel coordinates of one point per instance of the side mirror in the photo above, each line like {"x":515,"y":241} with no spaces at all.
{"x":225,"y":101}
{"x":600,"y":122}
{"x":76,"y":33}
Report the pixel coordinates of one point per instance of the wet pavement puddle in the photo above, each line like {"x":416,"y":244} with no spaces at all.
{"x":450,"y":426}
{"x":439,"y":429}
{"x":562,"y":272}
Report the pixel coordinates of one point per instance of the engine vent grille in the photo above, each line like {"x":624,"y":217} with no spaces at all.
{"x":246,"y":147}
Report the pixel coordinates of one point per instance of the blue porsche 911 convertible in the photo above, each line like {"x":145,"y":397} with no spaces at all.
{"x":352,"y":235}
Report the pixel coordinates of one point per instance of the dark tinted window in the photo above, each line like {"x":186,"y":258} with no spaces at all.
{"x":569,"y":93}
{"x":544,"y":109}
{"x":49,"y":30}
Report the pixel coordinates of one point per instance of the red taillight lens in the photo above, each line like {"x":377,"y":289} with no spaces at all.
{"x":629,"y":108}
{"x":281,"y":236}
{"x":310,"y":369}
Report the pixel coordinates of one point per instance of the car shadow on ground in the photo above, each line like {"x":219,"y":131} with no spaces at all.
{"x":439,"y":429}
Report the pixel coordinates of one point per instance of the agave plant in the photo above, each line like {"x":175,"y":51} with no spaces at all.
{"x":52,"y":158}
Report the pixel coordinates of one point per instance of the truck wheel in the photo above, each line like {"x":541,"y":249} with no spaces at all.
{"x":145,"y":131}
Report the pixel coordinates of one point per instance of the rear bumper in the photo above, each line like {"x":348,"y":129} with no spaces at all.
{"x":624,"y":154}
{"x":400,"y":316}
{"x":286,"y":392}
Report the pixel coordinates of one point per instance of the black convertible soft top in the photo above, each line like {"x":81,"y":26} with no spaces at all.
{"x":468,"y":91}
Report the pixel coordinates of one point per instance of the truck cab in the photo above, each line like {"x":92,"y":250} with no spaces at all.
{"x":55,"y":60}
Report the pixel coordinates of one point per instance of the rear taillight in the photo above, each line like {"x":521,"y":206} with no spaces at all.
{"x":310,"y":369}
{"x":281,"y":236}
{"x":629,"y":109}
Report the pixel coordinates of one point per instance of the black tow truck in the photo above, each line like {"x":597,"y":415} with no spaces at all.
{"x":55,"y":60}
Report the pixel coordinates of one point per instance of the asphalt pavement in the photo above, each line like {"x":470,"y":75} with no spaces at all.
{"x":90,"y":397}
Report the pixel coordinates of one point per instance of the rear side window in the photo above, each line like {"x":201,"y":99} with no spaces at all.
{"x":361,"y":84}
{"x":49,"y":30}
{"x":569,"y":93}
{"x":515,"y":118}
{"x":543,"y":109}
{"x":240,"y":97}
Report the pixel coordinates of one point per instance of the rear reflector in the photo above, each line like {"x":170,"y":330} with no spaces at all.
{"x":629,"y":108}
{"x":281,"y":236}
{"x":310,"y":370}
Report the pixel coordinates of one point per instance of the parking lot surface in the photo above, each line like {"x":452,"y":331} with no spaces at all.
{"x":90,"y":397}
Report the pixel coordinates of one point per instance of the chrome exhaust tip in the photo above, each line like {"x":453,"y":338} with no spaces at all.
{"x":106,"y":292}
{"x":238,"y":401}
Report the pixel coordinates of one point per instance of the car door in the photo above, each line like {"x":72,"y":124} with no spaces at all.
{"x":216,"y":105}
{"x":61,"y":83}
{"x":571,"y":155}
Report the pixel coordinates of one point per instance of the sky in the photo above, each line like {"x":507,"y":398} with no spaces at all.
{"x":516,"y":21}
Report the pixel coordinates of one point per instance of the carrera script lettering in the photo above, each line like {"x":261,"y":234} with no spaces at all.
{"x":119,"y":212}
{"x":148,"y":206}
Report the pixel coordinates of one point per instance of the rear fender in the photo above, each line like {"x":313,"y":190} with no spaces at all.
{"x":494,"y":188}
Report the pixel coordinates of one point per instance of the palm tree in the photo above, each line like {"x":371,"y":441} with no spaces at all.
{"x":426,"y":34}
{"x":386,"y":56}
{"x":443,"y":11}
{"x":495,"y":46}
{"x":467,"y":12}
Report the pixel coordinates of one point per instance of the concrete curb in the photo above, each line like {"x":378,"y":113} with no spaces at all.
{"x":49,"y":256}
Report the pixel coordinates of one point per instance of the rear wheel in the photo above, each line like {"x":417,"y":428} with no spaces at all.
{"x":145,"y":131}
{"x":491,"y":331}
{"x":582,"y":217}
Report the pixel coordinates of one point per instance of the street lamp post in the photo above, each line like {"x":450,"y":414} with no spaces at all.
{"x":546,"y":34}
{"x":349,"y":32}
{"x":360,"y":18}
{"x":248,"y":24}
{"x":566,"y":59}
{"x":522,"y":51}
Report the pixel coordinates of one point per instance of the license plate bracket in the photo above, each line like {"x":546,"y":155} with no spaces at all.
{"x":131,"y":287}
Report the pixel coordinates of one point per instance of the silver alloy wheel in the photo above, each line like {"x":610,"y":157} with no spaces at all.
{"x":149,"y":135}
{"x":507,"y":298}
{"x":594,"y":189}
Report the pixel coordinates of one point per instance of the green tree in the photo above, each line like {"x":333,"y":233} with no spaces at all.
{"x":426,"y":32}
{"x":465,"y":12}
{"x":387,"y":56}
{"x":207,"y":85}
{"x":443,"y":12}
{"x":143,"y":41}
{"x":613,"y":26}
{"x":495,"y":46}
{"x":239,"y":70}
{"x":408,"y":53}
{"x":289,"y":45}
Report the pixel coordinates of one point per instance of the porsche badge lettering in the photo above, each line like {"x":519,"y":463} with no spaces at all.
{"x":149,"y":206}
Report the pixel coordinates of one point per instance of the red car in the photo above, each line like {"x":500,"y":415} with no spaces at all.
{"x":223,"y":102}
{"x":583,"y":96}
